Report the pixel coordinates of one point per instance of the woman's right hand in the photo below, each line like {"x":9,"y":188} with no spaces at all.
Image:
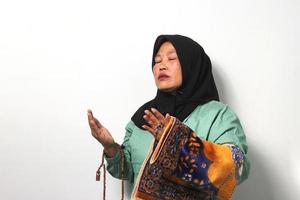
{"x":100,"y":132}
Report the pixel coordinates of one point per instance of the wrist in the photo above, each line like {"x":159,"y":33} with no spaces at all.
{"x":110,"y":150}
{"x":109,"y":145}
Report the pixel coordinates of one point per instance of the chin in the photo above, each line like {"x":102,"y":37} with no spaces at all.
{"x":166,"y":89}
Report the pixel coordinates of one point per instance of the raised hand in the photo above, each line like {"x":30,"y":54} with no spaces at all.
{"x":156,"y":122}
{"x":99,"y":131}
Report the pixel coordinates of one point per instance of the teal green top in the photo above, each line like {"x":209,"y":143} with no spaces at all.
{"x":213,"y":121}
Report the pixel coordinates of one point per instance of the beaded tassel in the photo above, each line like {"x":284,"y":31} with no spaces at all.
{"x":98,"y":172}
{"x":98,"y":175}
{"x":122,"y":171}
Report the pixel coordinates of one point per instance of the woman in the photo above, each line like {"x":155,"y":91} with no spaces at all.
{"x":183,"y":144}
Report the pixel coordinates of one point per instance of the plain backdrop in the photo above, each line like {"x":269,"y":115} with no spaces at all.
{"x":59,"y":58}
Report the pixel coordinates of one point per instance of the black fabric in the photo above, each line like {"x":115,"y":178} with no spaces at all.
{"x":198,"y":86}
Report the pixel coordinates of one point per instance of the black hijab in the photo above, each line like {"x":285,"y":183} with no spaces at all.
{"x":198,"y":86}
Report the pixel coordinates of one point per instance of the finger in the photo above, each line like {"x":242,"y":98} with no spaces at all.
{"x":158,"y":115}
{"x":151,"y":130}
{"x":151,"y":118}
{"x":98,"y":123}
{"x":90,"y":114}
{"x":148,"y":120}
{"x":91,"y":117}
{"x":168,"y":116}
{"x":93,"y":127}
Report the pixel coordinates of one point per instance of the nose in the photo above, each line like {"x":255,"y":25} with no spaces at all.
{"x":162,"y":66}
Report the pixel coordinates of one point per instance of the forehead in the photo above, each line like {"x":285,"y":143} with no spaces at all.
{"x":166,"y":47}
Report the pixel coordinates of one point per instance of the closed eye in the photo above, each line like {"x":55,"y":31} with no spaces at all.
{"x":157,"y":60}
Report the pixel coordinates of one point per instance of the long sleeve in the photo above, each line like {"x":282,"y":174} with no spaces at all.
{"x":114,"y":163}
{"x":227,"y":129}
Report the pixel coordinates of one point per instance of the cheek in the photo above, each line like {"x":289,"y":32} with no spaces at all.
{"x":155,"y":71}
{"x":177,"y":72}
{"x":180,"y":74}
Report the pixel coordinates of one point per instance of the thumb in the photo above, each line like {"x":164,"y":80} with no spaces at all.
{"x":167,"y":115}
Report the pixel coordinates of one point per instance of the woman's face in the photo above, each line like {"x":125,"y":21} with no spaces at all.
{"x":167,"y":68}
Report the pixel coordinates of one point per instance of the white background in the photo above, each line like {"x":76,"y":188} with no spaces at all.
{"x":60,"y":57}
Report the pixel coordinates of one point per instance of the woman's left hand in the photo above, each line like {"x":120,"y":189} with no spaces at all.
{"x":156,"y":122}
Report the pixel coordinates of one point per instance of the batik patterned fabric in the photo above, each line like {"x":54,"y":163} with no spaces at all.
{"x":182,"y":166}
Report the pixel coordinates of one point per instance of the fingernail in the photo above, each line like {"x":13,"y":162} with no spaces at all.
{"x":146,"y":111}
{"x":153,"y":109}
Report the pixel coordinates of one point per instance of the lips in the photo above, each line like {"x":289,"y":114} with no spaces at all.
{"x":163,"y":76}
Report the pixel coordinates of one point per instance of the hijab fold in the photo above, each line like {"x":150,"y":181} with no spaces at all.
{"x":198,"y":85}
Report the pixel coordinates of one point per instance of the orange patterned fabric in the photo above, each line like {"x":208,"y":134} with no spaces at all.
{"x":221,"y":172}
{"x":182,"y":166}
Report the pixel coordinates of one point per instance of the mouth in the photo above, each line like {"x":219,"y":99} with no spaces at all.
{"x":163,"y":77}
